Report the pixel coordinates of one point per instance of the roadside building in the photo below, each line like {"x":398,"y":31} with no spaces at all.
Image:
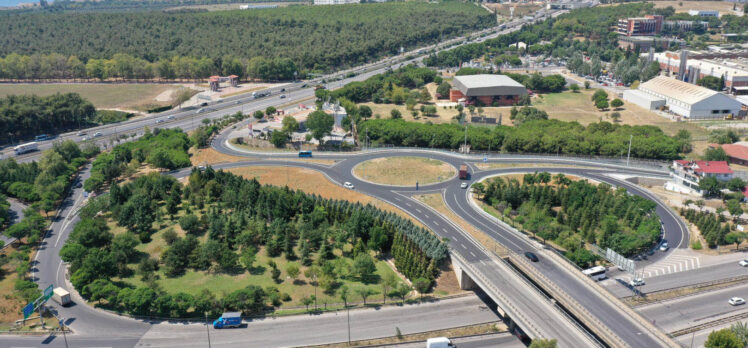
{"x":736,"y":153}
{"x":685,"y":175}
{"x":636,"y":26}
{"x":687,"y":100}
{"x":643,"y":43}
{"x":486,"y":89}
{"x":704,"y":13}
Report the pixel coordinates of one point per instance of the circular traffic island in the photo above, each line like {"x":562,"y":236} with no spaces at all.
{"x":404,"y":171}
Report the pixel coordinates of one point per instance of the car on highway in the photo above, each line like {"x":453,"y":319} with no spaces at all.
{"x":159,"y":121}
{"x":736,"y":301}
{"x":348,"y":185}
{"x":282,"y":96}
{"x":84,"y":138}
{"x":636,"y":282}
{"x":304,"y":85}
{"x":464,"y":185}
{"x":81,"y":133}
{"x":283,"y":89}
{"x":200,"y":111}
{"x":204,"y":104}
{"x":170,"y":117}
{"x":531,"y":256}
{"x":664,"y":246}
{"x":98,"y":134}
{"x":743,"y":263}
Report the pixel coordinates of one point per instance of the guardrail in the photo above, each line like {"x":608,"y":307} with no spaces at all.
{"x":507,"y":305}
{"x":709,"y":324}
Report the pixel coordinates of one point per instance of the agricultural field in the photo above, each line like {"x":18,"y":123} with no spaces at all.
{"x":102,"y":96}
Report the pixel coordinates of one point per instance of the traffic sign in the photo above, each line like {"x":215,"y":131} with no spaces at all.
{"x":27,"y":310}
{"x":48,"y":292}
{"x":485,"y":159}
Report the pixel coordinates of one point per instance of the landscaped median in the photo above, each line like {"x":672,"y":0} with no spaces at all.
{"x":404,"y":171}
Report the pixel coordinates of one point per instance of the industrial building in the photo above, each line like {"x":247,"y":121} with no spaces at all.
{"x":732,"y":66}
{"x":683,"y":99}
{"x":486,"y":89}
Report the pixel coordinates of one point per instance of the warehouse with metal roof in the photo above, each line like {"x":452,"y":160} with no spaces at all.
{"x":690,"y":101}
{"x":486,"y":89}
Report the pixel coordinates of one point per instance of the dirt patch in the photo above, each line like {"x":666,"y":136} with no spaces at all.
{"x":404,"y":171}
{"x":442,"y":115}
{"x":312,"y":181}
{"x":447,"y":282}
{"x":208,"y":156}
{"x":684,"y":6}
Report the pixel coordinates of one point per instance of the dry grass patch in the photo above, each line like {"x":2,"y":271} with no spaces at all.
{"x":312,"y":181}
{"x":211,"y":156}
{"x":106,"y":95}
{"x":404,"y":171}
{"x":471,"y":330}
{"x":442,"y":115}
{"x":722,"y":6}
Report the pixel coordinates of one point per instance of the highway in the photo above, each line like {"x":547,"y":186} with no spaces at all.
{"x":685,"y":312}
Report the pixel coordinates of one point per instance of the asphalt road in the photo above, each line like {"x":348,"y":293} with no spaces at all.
{"x":502,"y":340}
{"x":689,"y":311}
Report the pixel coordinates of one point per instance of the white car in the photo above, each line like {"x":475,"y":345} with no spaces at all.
{"x":736,"y":301}
{"x":743,"y":263}
{"x":84,"y":139}
{"x":636,"y":282}
{"x":664,"y":246}
{"x":98,"y":134}
{"x":171,"y":117}
{"x":81,"y":133}
{"x":348,"y":185}
{"x":464,"y":185}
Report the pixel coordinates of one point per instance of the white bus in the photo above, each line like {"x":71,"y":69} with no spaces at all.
{"x":596,"y":273}
{"x":24,"y":148}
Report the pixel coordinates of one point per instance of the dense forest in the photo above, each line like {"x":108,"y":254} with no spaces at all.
{"x":534,"y":136}
{"x":317,"y":38}
{"x":571,"y":212}
{"x":25,"y":116}
{"x":238,"y":218}
{"x":135,"y":5}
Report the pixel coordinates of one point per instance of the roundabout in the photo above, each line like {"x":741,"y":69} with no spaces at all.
{"x":404,"y":171}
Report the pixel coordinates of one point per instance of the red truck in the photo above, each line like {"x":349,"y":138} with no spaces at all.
{"x":463,"y":172}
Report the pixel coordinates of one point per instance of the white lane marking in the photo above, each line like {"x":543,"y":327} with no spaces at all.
{"x":436,"y":223}
{"x":397,"y":199}
{"x":418,"y":210}
{"x":463,"y":246}
{"x":471,"y":253}
{"x":408,"y":204}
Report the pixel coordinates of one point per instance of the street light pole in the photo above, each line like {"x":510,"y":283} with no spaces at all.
{"x":62,"y":326}
{"x":207,"y":328}
{"x":349,"y":325}
{"x":628,"y":157}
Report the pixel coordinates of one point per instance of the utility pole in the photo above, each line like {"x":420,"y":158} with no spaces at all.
{"x":464,"y":149}
{"x":349,"y":325}
{"x":207,"y":328}
{"x":62,"y":327}
{"x":631,"y":137}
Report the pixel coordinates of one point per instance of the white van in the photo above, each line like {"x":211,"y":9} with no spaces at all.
{"x":439,"y":342}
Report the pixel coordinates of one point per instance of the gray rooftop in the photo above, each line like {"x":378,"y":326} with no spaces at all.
{"x":488,"y":84}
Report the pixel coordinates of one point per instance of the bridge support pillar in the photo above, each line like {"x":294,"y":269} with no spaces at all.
{"x":465,"y":282}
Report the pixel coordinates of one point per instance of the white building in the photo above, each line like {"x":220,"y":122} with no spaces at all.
{"x":689,"y":101}
{"x":336,"y":2}
{"x":685,"y":175}
{"x":704,"y":13}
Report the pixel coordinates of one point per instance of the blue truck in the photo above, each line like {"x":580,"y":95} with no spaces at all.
{"x":228,"y":319}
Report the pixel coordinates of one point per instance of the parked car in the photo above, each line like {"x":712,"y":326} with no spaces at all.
{"x":736,"y":301}
{"x":348,"y":185}
{"x":531,"y":256}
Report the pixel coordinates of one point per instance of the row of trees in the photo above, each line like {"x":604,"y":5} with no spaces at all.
{"x":25,"y":116}
{"x":318,"y":38}
{"x":574,"y":212}
{"x":713,"y":228}
{"x":389,"y":87}
{"x":536,"y":136}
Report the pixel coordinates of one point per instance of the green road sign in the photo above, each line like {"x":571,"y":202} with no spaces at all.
{"x":48,"y":292}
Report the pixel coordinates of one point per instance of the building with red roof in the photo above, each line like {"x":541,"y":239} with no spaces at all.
{"x":736,"y":153}
{"x":687,"y":174}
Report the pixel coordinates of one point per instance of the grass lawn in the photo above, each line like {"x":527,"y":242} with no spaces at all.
{"x":569,"y":106}
{"x":442,"y":115}
{"x":123,"y":96}
{"x":404,"y":171}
